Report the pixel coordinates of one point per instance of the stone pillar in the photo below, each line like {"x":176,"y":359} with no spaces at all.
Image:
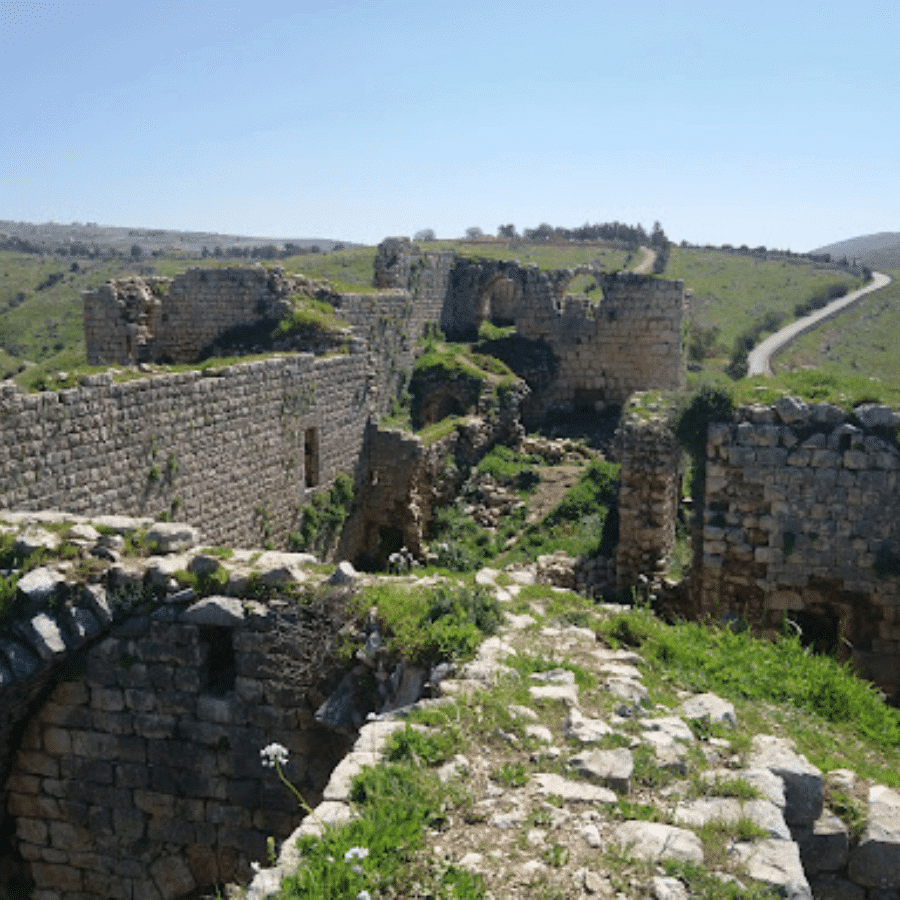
{"x":648,"y":498}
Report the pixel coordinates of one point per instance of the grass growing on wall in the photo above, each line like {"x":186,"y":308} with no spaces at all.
{"x":812,"y":385}
{"x":447,"y":622}
{"x":322,"y":519}
{"x":754,"y":672}
{"x":310,"y":319}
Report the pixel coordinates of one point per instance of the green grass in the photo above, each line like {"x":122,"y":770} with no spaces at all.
{"x":846,"y":390}
{"x":527,"y":664}
{"x":860,"y":343}
{"x":734,"y":292}
{"x":512,"y":469}
{"x":310,"y":318}
{"x":321,"y":520}
{"x":837,"y":719}
{"x":583,"y":523}
{"x":443,"y":623}
{"x":396,"y":803}
{"x":349,"y":271}
{"x":545,"y":256}
{"x":704,"y":885}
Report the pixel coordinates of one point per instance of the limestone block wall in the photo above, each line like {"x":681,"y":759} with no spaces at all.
{"x":800,"y":521}
{"x":235,"y":453}
{"x":605,"y":351}
{"x":402,"y":479}
{"x":174,"y":320}
{"x":391,"y":322}
{"x":628,"y":342}
{"x":649,"y":495}
{"x":142,"y":777}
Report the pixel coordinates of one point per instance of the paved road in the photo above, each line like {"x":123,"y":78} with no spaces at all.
{"x":759,"y":360}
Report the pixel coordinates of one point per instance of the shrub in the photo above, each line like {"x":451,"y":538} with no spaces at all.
{"x":585,"y":522}
{"x":445,"y":623}
{"x":507,"y":467}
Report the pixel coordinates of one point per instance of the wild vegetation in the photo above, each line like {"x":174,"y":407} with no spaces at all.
{"x":413,"y":822}
{"x":738,"y":298}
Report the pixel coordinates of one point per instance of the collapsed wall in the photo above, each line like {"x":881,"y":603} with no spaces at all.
{"x":176,"y":320}
{"x":235,"y":453}
{"x":604,"y":350}
{"x":800,"y":521}
{"x":797,"y":521}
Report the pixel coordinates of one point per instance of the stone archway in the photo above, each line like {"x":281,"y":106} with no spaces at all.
{"x":498,"y":301}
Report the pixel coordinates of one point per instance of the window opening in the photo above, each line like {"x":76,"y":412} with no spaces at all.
{"x":218,"y":667}
{"x":311,"y":456}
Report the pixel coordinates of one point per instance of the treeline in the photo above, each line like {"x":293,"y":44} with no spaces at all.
{"x":763,"y":252}
{"x":632,"y":235}
{"x":264,"y":251}
{"x":83,"y":250}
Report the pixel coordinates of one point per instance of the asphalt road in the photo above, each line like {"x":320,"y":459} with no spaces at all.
{"x":759,"y":360}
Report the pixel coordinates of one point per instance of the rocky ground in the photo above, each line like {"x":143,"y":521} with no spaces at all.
{"x":573,"y":775}
{"x":577,"y":786}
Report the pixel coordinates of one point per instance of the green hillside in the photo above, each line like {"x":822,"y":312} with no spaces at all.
{"x":741,"y":296}
{"x":862,"y":341}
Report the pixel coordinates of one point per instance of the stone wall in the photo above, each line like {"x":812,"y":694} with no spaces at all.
{"x":630,"y":341}
{"x":176,"y":320}
{"x":141,"y":778}
{"x":649,"y":496}
{"x":233,"y":453}
{"x":605,"y":350}
{"x":402,"y":479}
{"x":800,"y":522}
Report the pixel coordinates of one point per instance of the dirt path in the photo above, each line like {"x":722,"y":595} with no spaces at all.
{"x":555,"y":481}
{"x":759,"y":361}
{"x":645,"y":266}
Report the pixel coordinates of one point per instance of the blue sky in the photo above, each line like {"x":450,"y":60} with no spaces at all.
{"x":764,"y":123}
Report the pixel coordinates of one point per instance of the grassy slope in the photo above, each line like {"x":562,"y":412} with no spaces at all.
{"x":732,"y":291}
{"x":864,"y":340}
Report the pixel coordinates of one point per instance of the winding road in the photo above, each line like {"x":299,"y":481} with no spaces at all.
{"x":759,"y":360}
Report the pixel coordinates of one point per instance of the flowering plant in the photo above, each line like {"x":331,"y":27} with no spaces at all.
{"x":274,"y":756}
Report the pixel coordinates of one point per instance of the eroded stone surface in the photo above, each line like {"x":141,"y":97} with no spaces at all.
{"x":653,"y":841}
{"x":875,"y":862}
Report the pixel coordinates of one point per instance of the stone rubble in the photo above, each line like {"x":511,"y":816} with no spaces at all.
{"x":805,"y":853}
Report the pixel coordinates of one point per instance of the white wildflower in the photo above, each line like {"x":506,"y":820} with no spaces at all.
{"x":272,"y":754}
{"x":356,"y":853}
{"x":363,"y":895}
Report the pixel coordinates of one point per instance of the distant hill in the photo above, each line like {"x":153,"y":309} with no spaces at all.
{"x":52,"y":234}
{"x":880,"y":250}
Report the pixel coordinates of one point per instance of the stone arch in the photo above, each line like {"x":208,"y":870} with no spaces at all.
{"x":498,"y":301}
